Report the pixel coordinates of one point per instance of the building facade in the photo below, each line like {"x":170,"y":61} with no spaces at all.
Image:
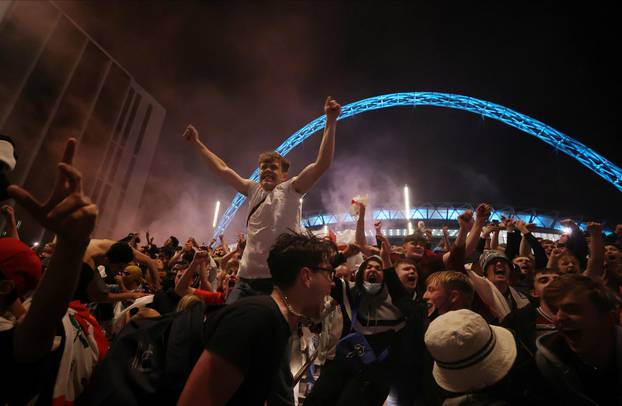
{"x":56,"y":82}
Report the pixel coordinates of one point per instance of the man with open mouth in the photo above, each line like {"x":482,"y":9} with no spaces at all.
{"x":583,"y":358}
{"x":274,"y":202}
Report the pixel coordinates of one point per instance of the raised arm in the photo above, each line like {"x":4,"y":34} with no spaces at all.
{"x":71,"y":216}
{"x":596,"y":262}
{"x":446,"y":238}
{"x":454,"y":259}
{"x":224,"y":246}
{"x":524,"y":250}
{"x":215,"y":164}
{"x":151,"y":264}
{"x":183,"y":285}
{"x":513,"y":238}
{"x":576,"y":243}
{"x":483,"y":213}
{"x":309,"y":175}
{"x":538,"y":252}
{"x":359,"y":236}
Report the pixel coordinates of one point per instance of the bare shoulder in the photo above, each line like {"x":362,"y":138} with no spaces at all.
{"x":97,"y":247}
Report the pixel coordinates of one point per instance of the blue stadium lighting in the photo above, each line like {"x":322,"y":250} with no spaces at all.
{"x":585,"y":155}
{"x":445,"y":212}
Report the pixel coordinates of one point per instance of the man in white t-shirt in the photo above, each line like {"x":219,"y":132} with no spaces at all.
{"x":274,"y":202}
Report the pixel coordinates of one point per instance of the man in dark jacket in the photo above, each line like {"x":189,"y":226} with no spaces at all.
{"x":583,"y":359}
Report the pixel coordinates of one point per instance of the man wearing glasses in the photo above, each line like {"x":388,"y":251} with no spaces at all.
{"x":246,"y":356}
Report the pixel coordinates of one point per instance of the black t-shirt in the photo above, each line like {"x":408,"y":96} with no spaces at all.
{"x":253,"y":335}
{"x":21,"y":382}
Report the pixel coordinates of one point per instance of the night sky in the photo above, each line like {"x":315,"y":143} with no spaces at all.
{"x":247,"y":75}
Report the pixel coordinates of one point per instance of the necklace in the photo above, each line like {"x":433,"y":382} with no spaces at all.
{"x":304,"y":320}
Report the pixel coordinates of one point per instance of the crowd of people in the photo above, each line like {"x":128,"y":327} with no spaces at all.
{"x":283,"y":317}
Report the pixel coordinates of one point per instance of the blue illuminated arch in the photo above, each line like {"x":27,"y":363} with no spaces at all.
{"x":594,"y":161}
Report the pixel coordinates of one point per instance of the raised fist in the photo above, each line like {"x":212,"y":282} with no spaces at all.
{"x":191,"y":134}
{"x":466,"y":219}
{"x":332,"y":109}
{"x":483,"y":212}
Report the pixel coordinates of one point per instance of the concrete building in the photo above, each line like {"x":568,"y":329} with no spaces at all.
{"x":56,"y":82}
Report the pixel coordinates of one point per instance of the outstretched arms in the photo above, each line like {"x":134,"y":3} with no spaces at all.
{"x":215,"y":164}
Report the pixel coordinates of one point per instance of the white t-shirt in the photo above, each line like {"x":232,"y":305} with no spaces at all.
{"x":278,"y":214}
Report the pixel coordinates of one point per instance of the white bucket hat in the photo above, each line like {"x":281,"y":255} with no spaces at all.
{"x":7,"y":152}
{"x":468,"y":353}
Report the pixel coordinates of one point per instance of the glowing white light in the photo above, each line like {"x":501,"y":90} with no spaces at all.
{"x":567,"y":230}
{"x":216,"y":210}
{"x":325,"y":229}
{"x":35,"y":244}
{"x":406,"y":202}
{"x":407,"y":208}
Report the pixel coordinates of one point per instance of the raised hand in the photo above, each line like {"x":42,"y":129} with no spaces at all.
{"x":522,"y":226}
{"x":241,"y":243}
{"x":194,"y":242}
{"x":483,"y":213}
{"x":361,"y":209}
{"x":465,"y":220}
{"x":378,"y":227}
{"x":191,"y":134}
{"x":491,"y":228}
{"x":67,"y":212}
{"x":595,"y":229}
{"x":201,"y":257}
{"x":332,"y":109}
{"x":508,"y":223}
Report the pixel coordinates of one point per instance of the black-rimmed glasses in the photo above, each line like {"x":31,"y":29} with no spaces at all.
{"x":329,"y":271}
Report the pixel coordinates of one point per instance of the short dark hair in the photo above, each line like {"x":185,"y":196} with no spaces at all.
{"x":153,"y":250}
{"x":120,"y":253}
{"x":273,"y":156}
{"x":293,"y":251}
{"x":415,"y":238}
{"x":598,"y":294}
